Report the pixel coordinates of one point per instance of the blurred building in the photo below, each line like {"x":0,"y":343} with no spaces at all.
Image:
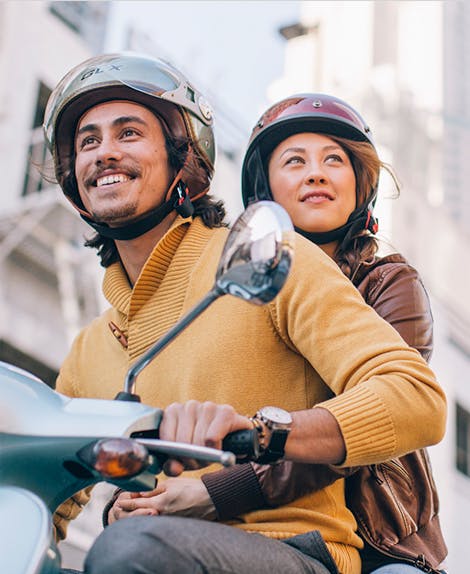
{"x":48,"y":290}
{"x":50,"y":284}
{"x":404,"y":65}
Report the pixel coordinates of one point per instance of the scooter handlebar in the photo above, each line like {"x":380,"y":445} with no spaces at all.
{"x":184,"y":450}
{"x":239,"y":446}
{"x":244,"y":444}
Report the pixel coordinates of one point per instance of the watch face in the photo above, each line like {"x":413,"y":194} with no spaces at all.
{"x":276,"y":415}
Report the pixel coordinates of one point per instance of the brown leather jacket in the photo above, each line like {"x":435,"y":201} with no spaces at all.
{"x":395,"y":503}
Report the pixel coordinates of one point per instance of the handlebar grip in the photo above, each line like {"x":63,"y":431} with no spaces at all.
{"x":244,"y":444}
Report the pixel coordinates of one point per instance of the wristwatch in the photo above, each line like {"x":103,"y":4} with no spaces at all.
{"x":274,"y":425}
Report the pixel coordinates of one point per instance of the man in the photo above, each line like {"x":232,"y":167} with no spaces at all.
{"x":133,"y":150}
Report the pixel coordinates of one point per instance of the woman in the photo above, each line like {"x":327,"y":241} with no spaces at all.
{"x":315,"y":156}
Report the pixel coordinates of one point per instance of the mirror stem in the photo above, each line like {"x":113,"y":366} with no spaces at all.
{"x":140,"y":364}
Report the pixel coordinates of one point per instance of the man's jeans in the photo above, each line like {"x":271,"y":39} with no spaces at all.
{"x":175,"y":545}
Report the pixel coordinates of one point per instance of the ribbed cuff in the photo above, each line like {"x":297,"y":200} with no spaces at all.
{"x":368,"y":430}
{"x":234,"y":490}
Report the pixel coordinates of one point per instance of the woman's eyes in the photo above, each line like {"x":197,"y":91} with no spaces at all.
{"x":295,"y":159}
{"x":334,"y":157}
{"x":330,"y":158}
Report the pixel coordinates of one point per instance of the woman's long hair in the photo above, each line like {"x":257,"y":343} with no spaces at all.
{"x":362,"y":247}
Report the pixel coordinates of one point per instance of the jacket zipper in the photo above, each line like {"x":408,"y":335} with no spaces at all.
{"x":420,"y":561}
{"x":397,"y":468}
{"x":393,"y":467}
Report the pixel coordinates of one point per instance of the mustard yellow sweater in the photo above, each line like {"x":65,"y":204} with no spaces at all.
{"x":316,"y":343}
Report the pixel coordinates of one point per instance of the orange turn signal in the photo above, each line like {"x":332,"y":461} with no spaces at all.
{"x":119,"y":458}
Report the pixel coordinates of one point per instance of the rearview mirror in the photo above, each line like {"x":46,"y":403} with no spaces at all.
{"x":257,"y":256}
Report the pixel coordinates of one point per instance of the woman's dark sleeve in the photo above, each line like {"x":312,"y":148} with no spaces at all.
{"x":246,"y":487}
{"x":398,"y":296}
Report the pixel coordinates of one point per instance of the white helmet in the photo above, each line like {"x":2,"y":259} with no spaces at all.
{"x":152,"y":82}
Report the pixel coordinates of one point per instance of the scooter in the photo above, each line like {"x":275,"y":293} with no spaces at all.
{"x":52,"y":446}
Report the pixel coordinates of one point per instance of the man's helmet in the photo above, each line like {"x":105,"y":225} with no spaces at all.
{"x":142,"y":79}
{"x":318,"y":113}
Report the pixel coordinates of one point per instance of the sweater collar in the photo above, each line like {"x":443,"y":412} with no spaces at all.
{"x":127,"y":299}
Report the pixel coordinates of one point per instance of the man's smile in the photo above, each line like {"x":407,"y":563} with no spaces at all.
{"x":113,"y":178}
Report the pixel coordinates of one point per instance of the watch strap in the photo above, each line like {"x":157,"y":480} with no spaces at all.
{"x":275,"y":449}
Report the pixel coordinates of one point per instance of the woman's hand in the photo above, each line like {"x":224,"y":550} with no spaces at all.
{"x":204,"y":424}
{"x":174,"y":496}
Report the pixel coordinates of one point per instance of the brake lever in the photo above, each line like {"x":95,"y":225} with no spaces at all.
{"x":183,"y":450}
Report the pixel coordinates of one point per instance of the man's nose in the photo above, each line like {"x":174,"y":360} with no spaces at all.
{"x":108,"y":150}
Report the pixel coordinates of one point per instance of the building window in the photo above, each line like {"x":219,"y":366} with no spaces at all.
{"x":87,"y":19}
{"x":463,"y":440}
{"x":70,"y":13}
{"x":39,"y":160}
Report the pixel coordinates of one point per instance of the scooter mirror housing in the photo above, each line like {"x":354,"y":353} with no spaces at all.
{"x":257,"y":256}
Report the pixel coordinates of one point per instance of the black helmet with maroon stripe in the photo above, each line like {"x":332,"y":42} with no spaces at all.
{"x":317,"y":113}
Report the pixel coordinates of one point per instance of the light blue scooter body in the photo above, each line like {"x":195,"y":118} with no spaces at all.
{"x":41,"y":431}
{"x":26,"y":540}
{"x":30,"y":407}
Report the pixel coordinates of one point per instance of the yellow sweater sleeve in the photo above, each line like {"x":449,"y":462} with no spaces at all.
{"x":387,"y":400}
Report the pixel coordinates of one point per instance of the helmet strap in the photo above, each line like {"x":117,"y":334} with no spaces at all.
{"x":184,"y":206}
{"x":360,"y":219}
{"x":178,"y":200}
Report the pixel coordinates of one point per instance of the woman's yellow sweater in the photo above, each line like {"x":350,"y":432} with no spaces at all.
{"x":316,"y":343}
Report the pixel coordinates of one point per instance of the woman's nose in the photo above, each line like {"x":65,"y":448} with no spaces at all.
{"x":315,"y":176}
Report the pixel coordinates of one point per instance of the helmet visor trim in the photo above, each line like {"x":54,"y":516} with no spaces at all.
{"x":326,"y":124}
{"x":158,"y":81}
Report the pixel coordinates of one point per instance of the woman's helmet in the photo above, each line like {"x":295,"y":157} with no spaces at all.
{"x":318,"y":113}
{"x":154,"y":83}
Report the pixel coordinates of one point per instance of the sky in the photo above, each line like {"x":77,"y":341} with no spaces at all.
{"x":231,"y":50}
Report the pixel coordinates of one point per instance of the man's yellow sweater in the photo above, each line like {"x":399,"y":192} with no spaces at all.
{"x":316,"y":343}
